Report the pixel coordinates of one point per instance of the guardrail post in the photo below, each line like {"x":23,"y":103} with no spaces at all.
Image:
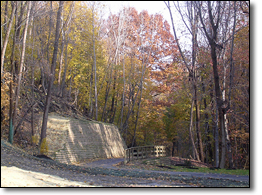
{"x":144,"y":152}
{"x":125,"y":161}
{"x":128,"y":155}
{"x":155,"y":151}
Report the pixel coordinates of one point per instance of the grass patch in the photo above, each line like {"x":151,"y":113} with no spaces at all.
{"x":207,"y":170}
{"x":155,"y":164}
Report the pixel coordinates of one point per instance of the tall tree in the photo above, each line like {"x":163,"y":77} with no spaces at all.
{"x":11,"y":126}
{"x":94,"y":58}
{"x":21,"y":62}
{"x":65,"y":41}
{"x":191,"y":17}
{"x":212,"y":29}
{"x":51,"y":78}
{"x":7,"y":35}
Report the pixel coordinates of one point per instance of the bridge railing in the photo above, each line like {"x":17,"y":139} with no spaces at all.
{"x":141,"y":152}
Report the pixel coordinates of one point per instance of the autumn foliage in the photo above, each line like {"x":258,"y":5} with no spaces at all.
{"x":129,"y":70}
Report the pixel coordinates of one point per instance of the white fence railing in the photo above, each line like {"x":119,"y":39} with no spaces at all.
{"x":141,"y":152}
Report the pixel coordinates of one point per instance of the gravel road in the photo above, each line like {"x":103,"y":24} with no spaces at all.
{"x":21,"y":169}
{"x":109,"y":163}
{"x":18,"y":169}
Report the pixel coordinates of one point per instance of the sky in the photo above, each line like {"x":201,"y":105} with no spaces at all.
{"x":151,"y":6}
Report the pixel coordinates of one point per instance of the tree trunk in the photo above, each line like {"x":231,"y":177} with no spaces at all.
{"x":123,"y":96}
{"x":228,"y":142}
{"x":22,"y":60}
{"x":6,"y":17}
{"x":32,"y":88}
{"x":64,"y":33}
{"x":93,"y":37}
{"x":212,"y":39}
{"x":7,"y":37}
{"x":199,"y":137}
{"x":113,"y":114}
{"x":218,"y":102}
{"x":194,"y":22}
{"x":195,"y":152}
{"x":223,"y":145}
{"x":137,"y":114}
{"x":50,"y":29}
{"x":14,"y":60}
{"x":193,"y":17}
{"x":223,"y":138}
{"x":133,"y":100}
{"x":51,"y":76}
{"x":216,"y":140}
{"x":66,"y":63}
{"x":208,"y":148}
{"x":61,"y":57}
{"x":106,"y":98}
{"x":141,"y":90}
{"x":23,"y":118}
{"x":113,"y":100}
{"x":65,"y":70}
{"x":90,"y":94}
{"x":11,"y":122}
{"x":215,"y":129}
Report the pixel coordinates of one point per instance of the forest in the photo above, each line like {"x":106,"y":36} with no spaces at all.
{"x":131,"y":69}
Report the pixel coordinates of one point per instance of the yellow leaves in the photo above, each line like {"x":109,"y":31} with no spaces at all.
{"x":5,"y":82}
{"x":44,"y":147}
{"x":6,"y":79}
{"x":35,"y":138}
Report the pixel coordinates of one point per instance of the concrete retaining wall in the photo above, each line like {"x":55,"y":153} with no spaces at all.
{"x":74,"y":140}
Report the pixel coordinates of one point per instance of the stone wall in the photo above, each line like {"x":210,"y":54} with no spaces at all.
{"x":76,"y":140}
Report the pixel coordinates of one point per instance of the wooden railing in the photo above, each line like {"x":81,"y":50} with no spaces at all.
{"x":141,"y":152}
